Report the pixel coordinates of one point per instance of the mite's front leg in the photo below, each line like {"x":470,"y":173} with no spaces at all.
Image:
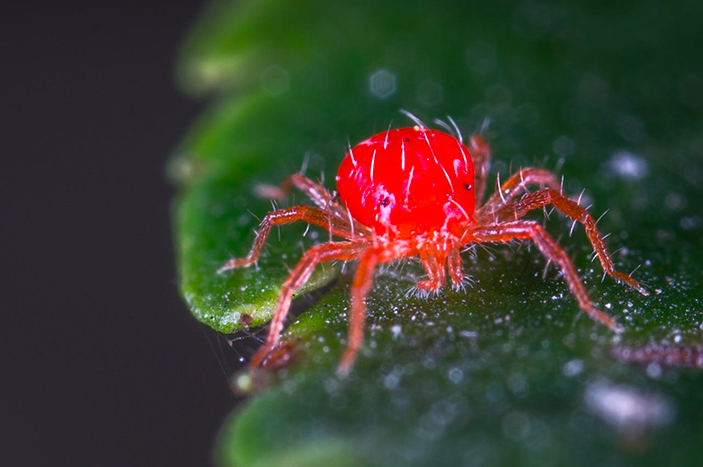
{"x":308,"y":214}
{"x":529,"y":230}
{"x":547,"y":196}
{"x":435,"y":272}
{"x":456,"y":271}
{"x":363,"y":279}
{"x":296,"y":279}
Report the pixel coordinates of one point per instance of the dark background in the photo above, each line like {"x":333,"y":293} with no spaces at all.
{"x":103,"y":364}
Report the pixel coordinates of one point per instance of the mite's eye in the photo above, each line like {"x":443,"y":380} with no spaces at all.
{"x":407,"y":140}
{"x":468,"y":186}
{"x":385,"y":201}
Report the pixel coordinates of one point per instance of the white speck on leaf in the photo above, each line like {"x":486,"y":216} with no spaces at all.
{"x":627,"y":408}
{"x":629,"y":166}
{"x":572,"y":368}
{"x":396,"y":329}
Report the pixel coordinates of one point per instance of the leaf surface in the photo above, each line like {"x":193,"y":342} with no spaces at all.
{"x":507,"y":371}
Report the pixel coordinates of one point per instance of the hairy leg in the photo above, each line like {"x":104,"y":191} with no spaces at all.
{"x":456,"y":272}
{"x":434,"y":267}
{"x":481,"y":155}
{"x":546,"y":196}
{"x":529,"y":230}
{"x":296,"y":279}
{"x":316,"y":192}
{"x":308,"y":214}
{"x":516,"y":185}
{"x":360,"y":288}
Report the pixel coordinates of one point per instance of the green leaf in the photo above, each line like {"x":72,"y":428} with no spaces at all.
{"x":508,"y":371}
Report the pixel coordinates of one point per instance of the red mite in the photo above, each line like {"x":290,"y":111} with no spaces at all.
{"x":413,"y":191}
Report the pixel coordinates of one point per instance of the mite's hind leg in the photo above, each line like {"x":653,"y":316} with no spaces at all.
{"x":308,"y":214}
{"x":517,"y":184}
{"x":296,"y":279}
{"x":549,"y":248}
{"x":546,"y":196}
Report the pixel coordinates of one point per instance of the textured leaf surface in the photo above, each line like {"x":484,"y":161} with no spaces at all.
{"x":507,"y":371}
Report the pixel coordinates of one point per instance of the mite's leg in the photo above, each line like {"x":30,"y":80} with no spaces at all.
{"x":549,"y":248}
{"x":456,"y":272}
{"x":546,"y":196}
{"x":308,"y":214}
{"x":435,"y":271}
{"x":481,"y":155}
{"x":360,"y":288}
{"x":516,"y":185}
{"x":296,"y":279}
{"x":357,"y":316}
{"x":316,"y":192}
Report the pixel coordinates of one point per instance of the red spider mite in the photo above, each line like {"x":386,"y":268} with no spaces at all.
{"x":418,"y":192}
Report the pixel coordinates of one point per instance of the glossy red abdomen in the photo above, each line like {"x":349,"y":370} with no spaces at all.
{"x":407,"y":182}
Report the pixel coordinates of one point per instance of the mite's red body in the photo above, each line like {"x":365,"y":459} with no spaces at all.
{"x":413,"y":192}
{"x":407,"y":182}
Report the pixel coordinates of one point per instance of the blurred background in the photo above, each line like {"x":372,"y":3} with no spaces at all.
{"x":106,"y":366}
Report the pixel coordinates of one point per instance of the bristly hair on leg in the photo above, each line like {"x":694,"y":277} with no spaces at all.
{"x":422,"y":294}
{"x":488,"y":249}
{"x":470,"y":249}
{"x":467,"y":280}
